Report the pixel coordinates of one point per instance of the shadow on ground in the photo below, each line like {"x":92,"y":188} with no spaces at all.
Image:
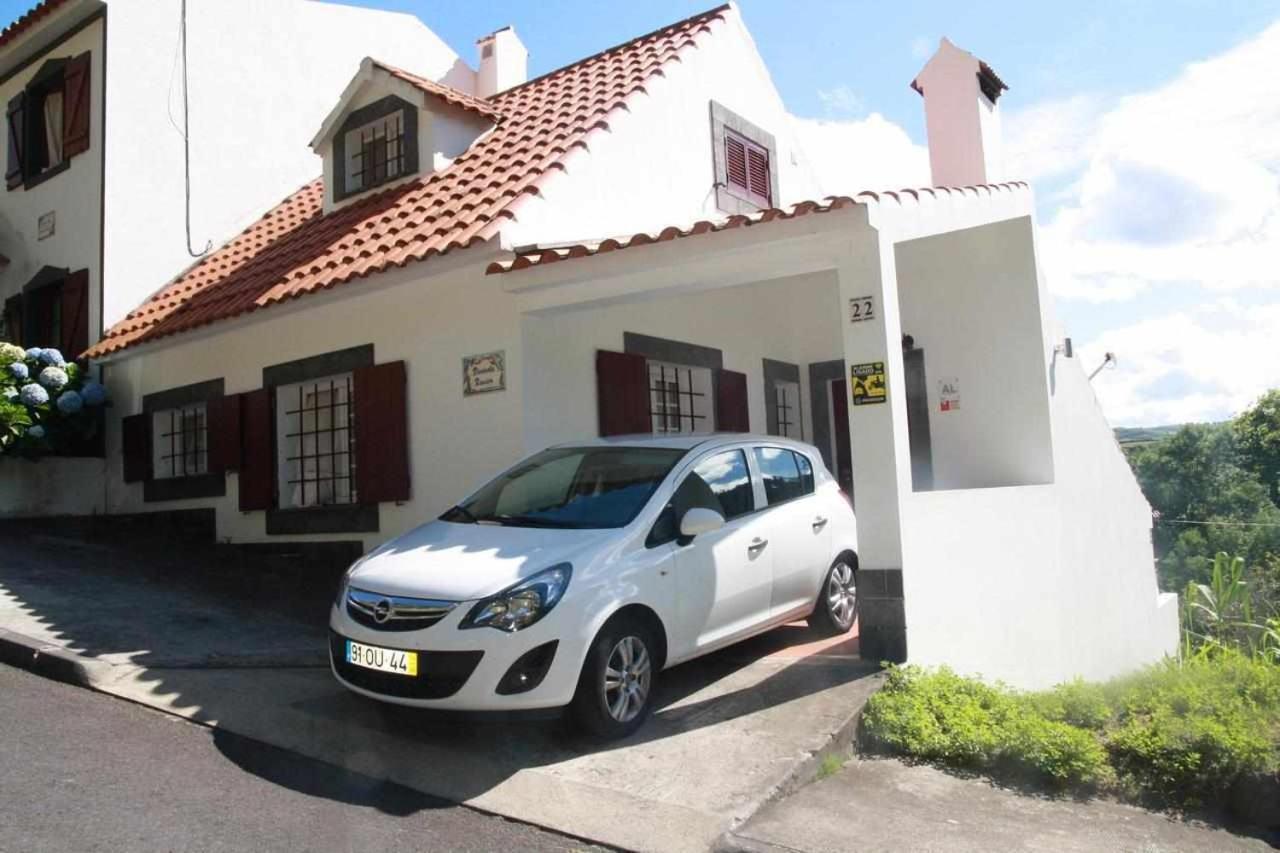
{"x":248,"y":655}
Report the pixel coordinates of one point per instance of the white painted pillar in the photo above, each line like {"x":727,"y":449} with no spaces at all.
{"x":878,"y":440}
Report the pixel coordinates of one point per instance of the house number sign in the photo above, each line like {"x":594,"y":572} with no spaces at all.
{"x":862,"y":308}
{"x":483,"y":373}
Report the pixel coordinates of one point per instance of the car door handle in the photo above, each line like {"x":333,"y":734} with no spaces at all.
{"x":819,"y":523}
{"x":757,"y":545}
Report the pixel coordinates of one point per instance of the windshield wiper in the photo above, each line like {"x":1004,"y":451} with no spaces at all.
{"x":527,"y":521}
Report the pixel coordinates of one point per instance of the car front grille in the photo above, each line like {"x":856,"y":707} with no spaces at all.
{"x":440,"y":674}
{"x":395,"y":612}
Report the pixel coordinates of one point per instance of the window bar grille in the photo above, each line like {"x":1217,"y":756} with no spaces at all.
{"x":671,"y":399}
{"x":376,"y":153}
{"x":338,"y":471}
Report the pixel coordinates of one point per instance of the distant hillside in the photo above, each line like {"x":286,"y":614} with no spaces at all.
{"x":1141,"y":435}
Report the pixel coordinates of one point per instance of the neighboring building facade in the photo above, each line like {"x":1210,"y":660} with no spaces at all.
{"x":622,"y":246}
{"x":92,"y":217}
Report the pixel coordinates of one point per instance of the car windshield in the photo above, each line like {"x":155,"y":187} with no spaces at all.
{"x":576,"y":487}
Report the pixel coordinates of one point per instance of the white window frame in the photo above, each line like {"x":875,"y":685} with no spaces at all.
{"x":177,"y":451}
{"x":315,"y":442}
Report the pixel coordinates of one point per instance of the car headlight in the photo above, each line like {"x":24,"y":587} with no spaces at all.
{"x":521,"y":605}
{"x":340,"y":599}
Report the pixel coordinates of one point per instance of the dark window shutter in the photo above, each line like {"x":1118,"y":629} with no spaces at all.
{"x":731,"y":402}
{"x":13,"y":319}
{"x":75,"y":315}
{"x":76,"y":101}
{"x":382,"y":433}
{"x":136,"y":447}
{"x":257,"y":471}
{"x":223,"y":425}
{"x":735,"y":160}
{"x":622,"y":393}
{"x":758,"y":173}
{"x":17,"y":139}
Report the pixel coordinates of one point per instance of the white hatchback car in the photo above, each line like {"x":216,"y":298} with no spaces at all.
{"x":578,"y":575}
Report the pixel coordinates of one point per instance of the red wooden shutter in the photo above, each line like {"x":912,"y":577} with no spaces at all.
{"x":758,"y":174}
{"x":76,"y":100}
{"x":13,"y":319}
{"x":735,"y":161}
{"x":17,"y":139}
{"x":136,"y":447}
{"x":257,"y":471}
{"x":622,"y":393}
{"x":731,"y":402}
{"x":382,"y":433}
{"x":75,"y":315}
{"x":223,"y":425}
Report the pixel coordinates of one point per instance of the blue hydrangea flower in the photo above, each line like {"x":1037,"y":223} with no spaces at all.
{"x":36,"y":431}
{"x":19,"y":371}
{"x":70,"y":402}
{"x":33,"y":395}
{"x":94,"y":393}
{"x":53,"y":378}
{"x":52,"y":356}
{"x":33,"y":353}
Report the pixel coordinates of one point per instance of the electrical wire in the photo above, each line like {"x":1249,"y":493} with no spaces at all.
{"x":186,"y":139}
{"x":1218,"y":523}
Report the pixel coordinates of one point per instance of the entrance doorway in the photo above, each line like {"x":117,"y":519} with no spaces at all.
{"x":843,"y":468}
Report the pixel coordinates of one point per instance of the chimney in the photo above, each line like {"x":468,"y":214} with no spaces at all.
{"x":504,"y":62}
{"x":963,"y":121}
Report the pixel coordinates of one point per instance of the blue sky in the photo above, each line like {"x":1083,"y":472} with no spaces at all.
{"x":1149,"y":130}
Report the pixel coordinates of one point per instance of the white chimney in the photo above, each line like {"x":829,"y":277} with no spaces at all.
{"x":504,"y":62}
{"x":963,"y":121}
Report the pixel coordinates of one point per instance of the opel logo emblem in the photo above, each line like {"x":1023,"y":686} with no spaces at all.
{"x":382,"y":611}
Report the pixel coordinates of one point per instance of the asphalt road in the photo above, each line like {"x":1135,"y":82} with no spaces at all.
{"x":83,"y":771}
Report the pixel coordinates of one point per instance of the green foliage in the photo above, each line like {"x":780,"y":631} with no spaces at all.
{"x":961,"y":722}
{"x":1257,"y":435}
{"x":1179,"y":732}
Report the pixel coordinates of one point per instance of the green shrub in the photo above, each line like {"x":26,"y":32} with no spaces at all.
{"x":1181,"y":732}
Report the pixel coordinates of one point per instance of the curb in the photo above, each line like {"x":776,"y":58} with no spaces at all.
{"x":46,"y":660}
{"x":840,"y":742}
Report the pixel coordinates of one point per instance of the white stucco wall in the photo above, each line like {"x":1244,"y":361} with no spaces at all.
{"x":73,"y":196}
{"x":653,"y":167}
{"x":793,"y":320}
{"x":429,"y":322}
{"x":971,"y":300}
{"x":263,"y":76}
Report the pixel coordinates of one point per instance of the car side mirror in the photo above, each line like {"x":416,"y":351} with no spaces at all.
{"x":700,"y":520}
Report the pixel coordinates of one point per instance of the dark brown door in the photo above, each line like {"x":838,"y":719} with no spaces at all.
{"x":918,"y":421}
{"x":840,"y":414}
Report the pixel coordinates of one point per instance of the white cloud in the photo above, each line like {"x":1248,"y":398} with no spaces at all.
{"x":865,"y":154}
{"x":1178,"y":184}
{"x":1184,"y":367}
{"x":922,"y":47}
{"x":840,"y":101}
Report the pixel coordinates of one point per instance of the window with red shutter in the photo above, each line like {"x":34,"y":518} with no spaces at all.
{"x":136,"y":447}
{"x":76,"y":99}
{"x":74,"y":322}
{"x":17,"y":140}
{"x":382,"y":433}
{"x":732,"y":414}
{"x":758,"y":175}
{"x":745,"y":157}
{"x":622,"y":393}
{"x":735,"y":161}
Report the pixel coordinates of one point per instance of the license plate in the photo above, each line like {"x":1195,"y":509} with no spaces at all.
{"x":383,"y":660}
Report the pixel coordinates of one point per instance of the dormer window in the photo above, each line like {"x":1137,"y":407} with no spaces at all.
{"x":376,"y":144}
{"x":745,"y":159}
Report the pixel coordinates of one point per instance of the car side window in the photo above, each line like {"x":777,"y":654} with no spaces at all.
{"x":721,"y":483}
{"x":786,"y":475}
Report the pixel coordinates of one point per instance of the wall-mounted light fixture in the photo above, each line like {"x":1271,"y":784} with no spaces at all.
{"x":1109,"y":360}
{"x":1065,"y":348}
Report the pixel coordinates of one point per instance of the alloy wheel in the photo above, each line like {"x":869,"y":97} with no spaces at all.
{"x":842,"y":594}
{"x":628,"y":674}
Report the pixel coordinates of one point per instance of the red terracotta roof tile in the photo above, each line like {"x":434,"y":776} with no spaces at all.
{"x":544,"y":255}
{"x":297,"y":249}
{"x":445,"y":93}
{"x":27,"y":19}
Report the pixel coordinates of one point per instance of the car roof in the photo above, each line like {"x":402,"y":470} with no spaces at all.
{"x":688,"y":441}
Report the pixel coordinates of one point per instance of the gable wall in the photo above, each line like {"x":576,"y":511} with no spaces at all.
{"x":653,"y":166}
{"x":263,"y":76}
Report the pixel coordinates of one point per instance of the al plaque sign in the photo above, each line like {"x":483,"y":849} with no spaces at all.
{"x":483,"y":373}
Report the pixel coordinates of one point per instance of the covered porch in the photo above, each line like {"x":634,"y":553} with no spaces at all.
{"x":904,"y":335}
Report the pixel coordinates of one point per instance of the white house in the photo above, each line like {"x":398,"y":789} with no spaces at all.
{"x":624,"y":245}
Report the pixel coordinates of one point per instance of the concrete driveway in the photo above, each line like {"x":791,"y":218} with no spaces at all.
{"x":731,"y":731}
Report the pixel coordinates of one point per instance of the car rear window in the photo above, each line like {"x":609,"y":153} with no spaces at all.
{"x":787,"y":475}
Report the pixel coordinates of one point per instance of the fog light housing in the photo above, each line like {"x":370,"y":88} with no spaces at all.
{"x":528,"y":670}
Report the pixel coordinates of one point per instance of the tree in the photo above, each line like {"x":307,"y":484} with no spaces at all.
{"x":1257,"y":437}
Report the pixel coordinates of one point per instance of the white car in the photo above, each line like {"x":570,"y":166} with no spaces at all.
{"x":578,"y":575}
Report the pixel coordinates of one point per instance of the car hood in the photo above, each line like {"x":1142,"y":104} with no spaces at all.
{"x":458,"y":562}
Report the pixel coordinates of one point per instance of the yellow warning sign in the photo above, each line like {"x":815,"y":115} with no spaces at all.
{"x":867,"y":383}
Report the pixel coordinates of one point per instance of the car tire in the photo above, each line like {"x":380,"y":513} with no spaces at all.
{"x":837,"y":605}
{"x":619,"y":676}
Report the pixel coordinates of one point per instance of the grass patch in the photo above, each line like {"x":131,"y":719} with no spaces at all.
{"x":830,"y":766}
{"x":1176,"y":733}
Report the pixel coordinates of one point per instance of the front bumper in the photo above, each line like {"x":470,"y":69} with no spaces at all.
{"x":458,"y":669}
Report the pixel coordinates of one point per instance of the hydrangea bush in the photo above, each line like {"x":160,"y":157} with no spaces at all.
{"x":46,"y":403}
